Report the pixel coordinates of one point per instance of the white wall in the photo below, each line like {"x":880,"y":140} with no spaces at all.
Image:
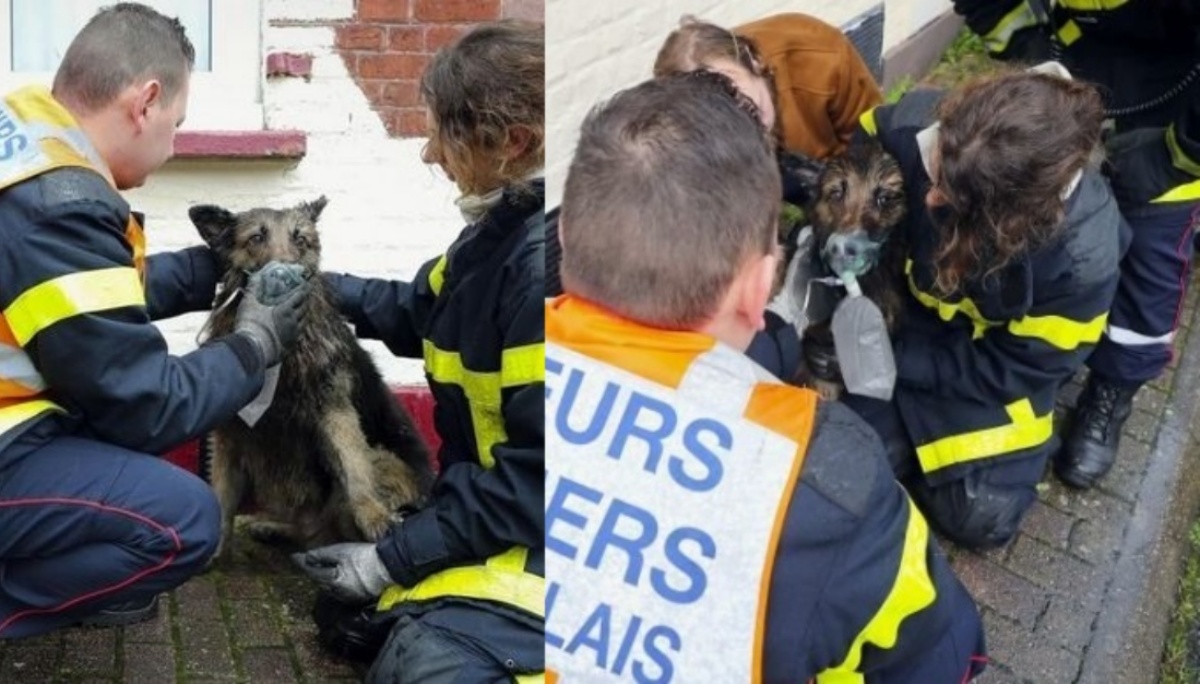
{"x":906,"y":17}
{"x":388,"y":212}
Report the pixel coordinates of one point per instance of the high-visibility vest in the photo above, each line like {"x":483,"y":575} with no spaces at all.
{"x":672,"y":462}
{"x":37,"y":134}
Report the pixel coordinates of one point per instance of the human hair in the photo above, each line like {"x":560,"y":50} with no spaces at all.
{"x":483,"y":87}
{"x":697,"y":43}
{"x":118,"y":47}
{"x":1009,"y":145}
{"x":672,"y":189}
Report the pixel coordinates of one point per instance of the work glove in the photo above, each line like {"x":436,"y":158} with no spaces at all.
{"x":274,"y":327}
{"x":352,"y":572}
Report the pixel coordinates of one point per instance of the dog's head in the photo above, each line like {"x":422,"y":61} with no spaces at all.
{"x":854,"y":200}
{"x":245,"y":242}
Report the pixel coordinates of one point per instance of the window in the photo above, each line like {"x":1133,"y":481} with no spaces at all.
{"x":226,"y":91}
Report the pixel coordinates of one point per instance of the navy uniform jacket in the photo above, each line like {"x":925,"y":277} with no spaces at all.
{"x":475,"y":315}
{"x":110,"y":368}
{"x":977,"y":373}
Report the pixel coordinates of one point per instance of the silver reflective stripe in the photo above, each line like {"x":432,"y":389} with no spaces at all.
{"x":73,"y":137}
{"x":16,"y":366}
{"x":1130,"y":338}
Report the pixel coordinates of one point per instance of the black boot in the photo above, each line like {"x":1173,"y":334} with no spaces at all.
{"x":121,"y":614}
{"x":1091,"y":447}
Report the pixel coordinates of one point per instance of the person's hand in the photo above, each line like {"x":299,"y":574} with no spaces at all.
{"x":273,"y":328}
{"x":352,"y":572}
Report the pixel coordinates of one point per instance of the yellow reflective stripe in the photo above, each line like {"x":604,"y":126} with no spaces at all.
{"x":1063,"y":333}
{"x":1188,"y":192}
{"x":53,"y":301}
{"x":502,"y":578}
{"x":1091,"y":5}
{"x":137,"y":242}
{"x":518,"y":366}
{"x":1026,"y":431}
{"x":12,"y":416}
{"x":947,"y":310}
{"x":1179,"y":158}
{"x":538,"y":678}
{"x":1069,"y":32}
{"x":911,"y":592}
{"x":868,"y":123}
{"x":437,"y":276}
{"x":33,"y":104}
{"x":1022,"y":16}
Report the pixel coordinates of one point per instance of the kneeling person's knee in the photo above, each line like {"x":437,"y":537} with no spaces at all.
{"x":976,"y":514}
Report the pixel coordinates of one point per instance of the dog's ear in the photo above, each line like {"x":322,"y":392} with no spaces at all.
{"x":800,"y":175}
{"x":313,"y":209}
{"x":213,"y":223}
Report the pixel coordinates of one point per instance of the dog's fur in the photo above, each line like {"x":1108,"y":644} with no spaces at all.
{"x":861,"y":188}
{"x":334,"y":456}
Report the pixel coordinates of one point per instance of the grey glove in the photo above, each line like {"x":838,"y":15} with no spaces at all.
{"x":352,"y":572}
{"x":273,"y":328}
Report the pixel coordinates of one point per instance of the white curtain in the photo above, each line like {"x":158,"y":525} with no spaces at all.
{"x":42,"y":29}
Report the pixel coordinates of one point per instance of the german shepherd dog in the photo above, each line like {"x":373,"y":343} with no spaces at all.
{"x":334,"y":456}
{"x":858,"y":194}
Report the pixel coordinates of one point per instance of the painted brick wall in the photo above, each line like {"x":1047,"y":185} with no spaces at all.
{"x":388,"y":212}
{"x":595,"y":49}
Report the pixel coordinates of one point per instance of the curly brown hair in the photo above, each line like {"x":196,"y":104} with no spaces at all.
{"x":1009,"y":145}
{"x":480,"y":90}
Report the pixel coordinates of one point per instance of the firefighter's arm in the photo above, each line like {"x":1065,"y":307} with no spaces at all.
{"x":880,"y":598}
{"x":83,"y":318}
{"x":1011,"y":360}
{"x":1010,"y":29}
{"x":391,"y":311}
{"x":477,"y":511}
{"x":180,"y":282}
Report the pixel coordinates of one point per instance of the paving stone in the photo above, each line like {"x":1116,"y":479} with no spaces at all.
{"x":36,"y":663}
{"x":1165,"y":381}
{"x":155,"y":631}
{"x":204,"y":647}
{"x":1058,"y":572}
{"x":268,"y":665}
{"x":253,"y":624}
{"x":995,"y":674}
{"x":1141,"y":426}
{"x":197,"y":600}
{"x":149,"y":663}
{"x":1048,"y":524}
{"x":314,"y":663}
{"x":1009,"y":595}
{"x":1066,"y":624}
{"x":241,"y":585}
{"x":1126,"y":475}
{"x":1151,"y":400}
{"x":1097,"y":538}
{"x":90,"y":651}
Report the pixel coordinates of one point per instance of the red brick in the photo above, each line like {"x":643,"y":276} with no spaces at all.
{"x":399,"y":66}
{"x":398,"y":94}
{"x":438,"y":36}
{"x":404,"y":123}
{"x":406,"y":39}
{"x":372,"y":89}
{"x":530,"y":10}
{"x":360,"y":37}
{"x":456,"y":10}
{"x":383,"y":10}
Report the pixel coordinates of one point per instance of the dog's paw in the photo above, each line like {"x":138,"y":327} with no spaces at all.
{"x":372,"y":518}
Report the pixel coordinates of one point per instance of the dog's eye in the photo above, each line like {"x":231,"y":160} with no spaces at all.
{"x":837,"y":192}
{"x":255,"y":239}
{"x":886,"y":197}
{"x":299,"y":240}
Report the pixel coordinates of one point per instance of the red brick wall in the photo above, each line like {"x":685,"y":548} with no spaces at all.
{"x":389,"y":42}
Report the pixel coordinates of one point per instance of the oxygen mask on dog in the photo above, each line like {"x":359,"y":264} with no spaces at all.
{"x":269,"y":285}
{"x":854,"y":253}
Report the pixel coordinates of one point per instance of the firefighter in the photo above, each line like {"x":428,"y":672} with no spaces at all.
{"x":728,"y":527}
{"x":459,"y":585}
{"x":1145,"y":55}
{"x":1013,"y":244}
{"x":94,"y":527}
